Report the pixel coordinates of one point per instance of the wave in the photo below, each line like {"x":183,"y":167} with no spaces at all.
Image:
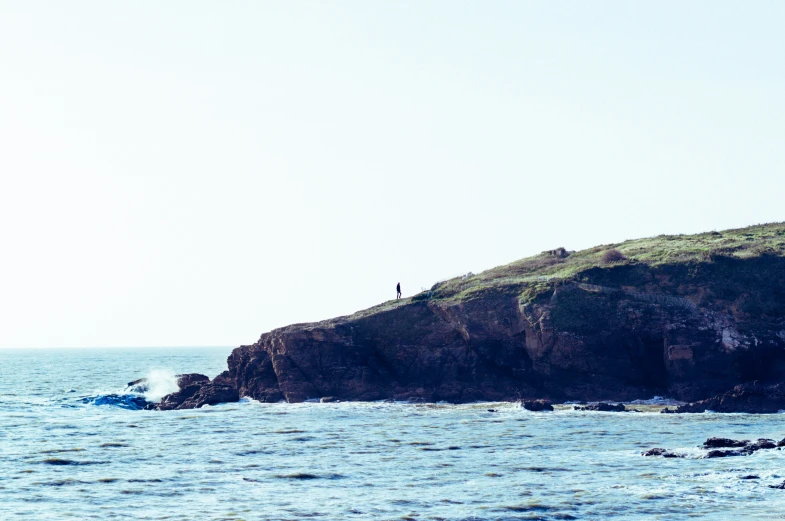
{"x":157,"y":384}
{"x":143,"y":393}
{"x":124,"y":401}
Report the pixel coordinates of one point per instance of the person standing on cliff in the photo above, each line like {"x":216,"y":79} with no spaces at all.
{"x":398,"y":289}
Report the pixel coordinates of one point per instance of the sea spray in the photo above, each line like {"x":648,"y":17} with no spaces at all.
{"x":160,"y":382}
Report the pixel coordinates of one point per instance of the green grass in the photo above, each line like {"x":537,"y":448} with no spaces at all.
{"x":536,"y":275}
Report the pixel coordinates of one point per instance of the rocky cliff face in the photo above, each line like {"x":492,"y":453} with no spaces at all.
{"x":688,"y":328}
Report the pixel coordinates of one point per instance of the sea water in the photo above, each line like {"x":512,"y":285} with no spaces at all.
{"x":67,"y":454}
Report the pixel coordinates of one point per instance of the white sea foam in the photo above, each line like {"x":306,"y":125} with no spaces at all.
{"x":160,"y":382}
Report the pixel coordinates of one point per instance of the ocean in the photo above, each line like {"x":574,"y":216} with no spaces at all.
{"x":68,"y":450}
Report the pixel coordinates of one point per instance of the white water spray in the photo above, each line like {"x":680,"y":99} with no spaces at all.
{"x":160,"y":382}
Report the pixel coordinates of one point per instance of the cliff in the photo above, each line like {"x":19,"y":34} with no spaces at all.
{"x":681,"y":316}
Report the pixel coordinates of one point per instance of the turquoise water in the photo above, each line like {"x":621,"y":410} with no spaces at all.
{"x":62,"y":458}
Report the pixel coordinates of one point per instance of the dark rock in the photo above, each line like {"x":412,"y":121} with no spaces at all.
{"x":492,"y":410}
{"x":210,"y":394}
{"x":537,"y":405}
{"x":196,"y":391}
{"x":762,"y":443}
{"x":781,"y":443}
{"x":185,"y":380}
{"x":724,"y":453}
{"x":781,"y":486}
{"x":174,"y":400}
{"x":749,"y":476}
{"x":328,"y":399}
{"x":659,"y":451}
{"x":750,"y":398}
{"x":137,"y":386}
{"x":717,"y":443}
{"x":744,"y":448}
{"x":603,"y":407}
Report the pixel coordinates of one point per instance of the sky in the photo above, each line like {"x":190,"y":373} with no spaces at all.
{"x":191,"y":173}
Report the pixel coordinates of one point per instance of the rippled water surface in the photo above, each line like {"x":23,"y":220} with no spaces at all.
{"x":63,"y":457}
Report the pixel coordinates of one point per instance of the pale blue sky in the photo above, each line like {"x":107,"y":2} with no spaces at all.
{"x":196,"y":173}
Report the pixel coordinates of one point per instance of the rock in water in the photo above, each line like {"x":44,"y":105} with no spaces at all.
{"x":656,"y":451}
{"x":139,"y":386}
{"x":762,"y":443}
{"x":715,"y":443}
{"x":659,"y":451}
{"x":537,"y":405}
{"x":210,"y":394}
{"x":724,"y":453}
{"x":602,"y":407}
{"x":196,"y":391}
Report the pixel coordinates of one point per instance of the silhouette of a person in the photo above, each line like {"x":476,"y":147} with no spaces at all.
{"x":398,"y":289}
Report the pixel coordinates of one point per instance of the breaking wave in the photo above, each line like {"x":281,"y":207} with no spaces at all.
{"x":160,"y":382}
{"x":139,"y":394}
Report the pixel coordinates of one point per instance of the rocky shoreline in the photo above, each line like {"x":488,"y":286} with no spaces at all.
{"x":197,"y":390}
{"x":700,"y":319}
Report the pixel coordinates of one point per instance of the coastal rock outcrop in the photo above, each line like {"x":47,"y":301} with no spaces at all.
{"x":687,"y":317}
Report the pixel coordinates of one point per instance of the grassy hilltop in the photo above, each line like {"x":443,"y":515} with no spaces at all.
{"x":542,"y":272}
{"x":628,"y":263}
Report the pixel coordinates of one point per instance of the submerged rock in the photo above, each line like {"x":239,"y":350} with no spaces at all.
{"x":665,"y":453}
{"x":537,"y":405}
{"x":739,"y":448}
{"x":724,"y":453}
{"x":602,"y":407}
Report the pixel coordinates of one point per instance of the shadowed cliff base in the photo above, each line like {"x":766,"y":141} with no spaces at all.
{"x":684,"y":316}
